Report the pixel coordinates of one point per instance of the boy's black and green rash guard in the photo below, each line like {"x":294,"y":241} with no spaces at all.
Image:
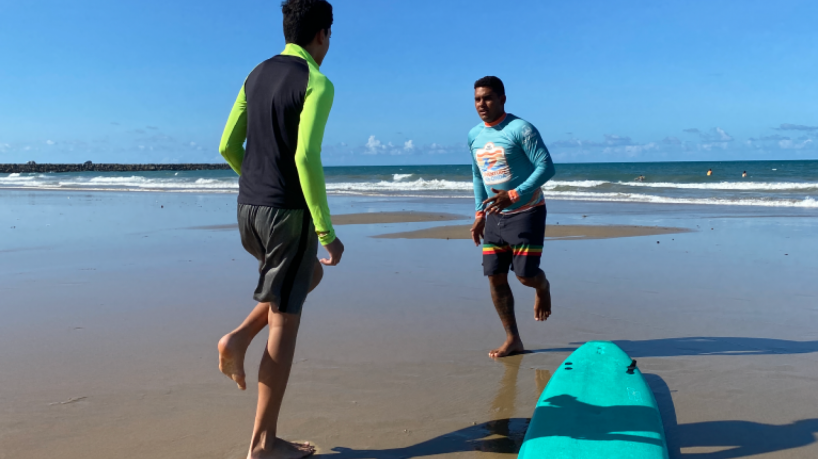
{"x":281,"y":111}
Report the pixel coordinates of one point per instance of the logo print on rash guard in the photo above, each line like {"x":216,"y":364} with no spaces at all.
{"x":493,"y":165}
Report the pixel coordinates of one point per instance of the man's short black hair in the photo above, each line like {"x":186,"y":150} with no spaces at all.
{"x":492,"y":82}
{"x":304,"y":18}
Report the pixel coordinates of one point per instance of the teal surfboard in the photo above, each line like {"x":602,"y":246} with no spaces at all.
{"x":596,"y":405}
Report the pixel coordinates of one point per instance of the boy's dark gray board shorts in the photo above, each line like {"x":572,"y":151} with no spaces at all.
{"x":285,"y":244}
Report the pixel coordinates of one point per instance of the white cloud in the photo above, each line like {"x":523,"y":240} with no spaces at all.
{"x":713,"y":145}
{"x":612,"y":139}
{"x":456,"y":148}
{"x":373,"y":145}
{"x":795,"y":127}
{"x":716,"y":134}
{"x":50,"y":142}
{"x":575,"y":143}
{"x":630,"y":150}
{"x":723,"y":136}
{"x":790,"y":145}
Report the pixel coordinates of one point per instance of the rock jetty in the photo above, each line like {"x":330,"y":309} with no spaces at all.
{"x":88,"y":166}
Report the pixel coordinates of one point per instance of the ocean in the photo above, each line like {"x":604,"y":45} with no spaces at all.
{"x":768,"y":183}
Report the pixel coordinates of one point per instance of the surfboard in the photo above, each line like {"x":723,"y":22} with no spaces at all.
{"x":596,"y":405}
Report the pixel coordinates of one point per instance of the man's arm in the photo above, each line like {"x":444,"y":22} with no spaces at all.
{"x":235,"y":133}
{"x":480,"y":194}
{"x":538,"y":154}
{"x":317,"y":105}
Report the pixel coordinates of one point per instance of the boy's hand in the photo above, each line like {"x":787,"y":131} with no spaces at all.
{"x":335,"y":250}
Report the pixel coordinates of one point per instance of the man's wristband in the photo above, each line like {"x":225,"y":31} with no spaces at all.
{"x":479,"y":215}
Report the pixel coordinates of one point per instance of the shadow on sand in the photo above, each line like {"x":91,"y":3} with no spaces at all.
{"x":727,"y":439}
{"x":481,"y":437}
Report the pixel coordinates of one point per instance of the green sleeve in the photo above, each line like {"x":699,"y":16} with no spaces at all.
{"x":235,"y":133}
{"x":317,"y":105}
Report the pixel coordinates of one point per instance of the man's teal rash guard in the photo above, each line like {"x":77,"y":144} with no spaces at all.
{"x":510,"y":155}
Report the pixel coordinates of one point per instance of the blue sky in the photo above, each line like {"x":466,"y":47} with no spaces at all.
{"x":151,"y":81}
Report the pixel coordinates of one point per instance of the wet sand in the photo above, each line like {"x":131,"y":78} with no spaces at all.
{"x":109,"y":348}
{"x":368,"y":218}
{"x":571,"y":232}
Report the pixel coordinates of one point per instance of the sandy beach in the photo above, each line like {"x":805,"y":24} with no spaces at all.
{"x":112,"y":304}
{"x":575,"y":232}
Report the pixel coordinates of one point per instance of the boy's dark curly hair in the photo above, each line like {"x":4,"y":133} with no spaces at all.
{"x":304,"y":18}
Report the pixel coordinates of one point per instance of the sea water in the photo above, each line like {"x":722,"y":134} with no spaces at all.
{"x":768,"y":183}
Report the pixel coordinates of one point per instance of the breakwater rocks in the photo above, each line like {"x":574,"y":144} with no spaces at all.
{"x":88,"y":166}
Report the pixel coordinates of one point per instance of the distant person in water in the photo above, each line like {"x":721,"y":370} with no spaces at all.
{"x":709,"y":172}
{"x":510,"y":164}
{"x":281,"y":111}
{"x":744,"y":174}
{"x":641,"y":178}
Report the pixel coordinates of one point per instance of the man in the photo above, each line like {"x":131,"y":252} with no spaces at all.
{"x":510,"y":162}
{"x":281,"y":111}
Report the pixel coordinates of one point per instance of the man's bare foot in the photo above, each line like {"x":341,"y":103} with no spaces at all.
{"x":510,"y":347}
{"x":542,"y":303}
{"x":231,"y":358}
{"x":282,"y":449}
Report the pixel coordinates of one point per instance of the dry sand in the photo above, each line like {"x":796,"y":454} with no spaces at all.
{"x":571,"y":232}
{"x":109,"y":348}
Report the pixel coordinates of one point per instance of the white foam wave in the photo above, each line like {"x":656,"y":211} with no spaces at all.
{"x":738,"y":186}
{"x":734,"y":186}
{"x":118,"y":183}
{"x":647,"y":198}
{"x":415,"y":185}
{"x":437,"y":188}
{"x":551,"y":184}
{"x":17,"y":178}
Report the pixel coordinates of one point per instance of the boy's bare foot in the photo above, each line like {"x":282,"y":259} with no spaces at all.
{"x":510,"y":347}
{"x":231,"y":358}
{"x":542,"y":303}
{"x":282,"y":449}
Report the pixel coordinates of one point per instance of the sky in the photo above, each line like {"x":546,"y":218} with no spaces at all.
{"x":154,"y":81}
